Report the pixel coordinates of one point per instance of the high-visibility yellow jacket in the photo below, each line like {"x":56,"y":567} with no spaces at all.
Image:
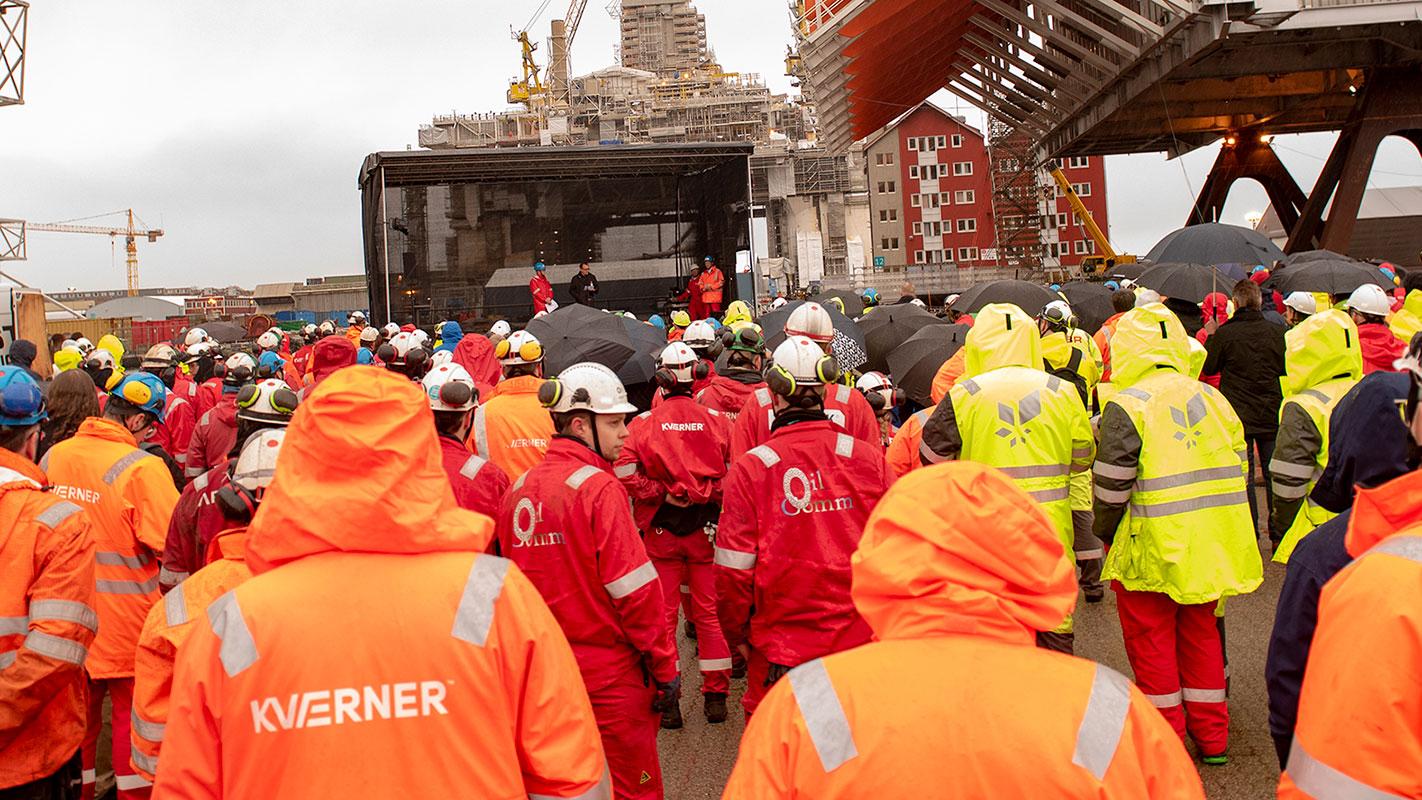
{"x":1407,"y":321}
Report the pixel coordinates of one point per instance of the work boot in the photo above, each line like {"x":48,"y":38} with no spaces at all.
{"x":671,"y":718}
{"x":738,"y":671}
{"x":715,"y":707}
{"x":1094,"y":595}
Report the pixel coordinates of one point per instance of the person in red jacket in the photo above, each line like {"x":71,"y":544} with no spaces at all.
{"x":476,"y":355}
{"x":712,"y":282}
{"x":216,"y":431}
{"x":541,"y":290}
{"x":792,"y":513}
{"x":478,"y":483}
{"x":1369,"y":307}
{"x":728,"y":391}
{"x":567,"y":524}
{"x":672,"y":465}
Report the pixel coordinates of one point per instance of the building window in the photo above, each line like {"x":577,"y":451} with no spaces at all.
{"x":946,"y":198}
{"x":1008,"y":165}
{"x":913,"y":171}
{"x":914,"y":200}
{"x":918,"y":256}
{"x":967,"y":254}
{"x":1081,"y":247}
{"x":942,"y":142}
{"x":1078,"y":162}
{"x":957,"y":140}
{"x":962,"y":168}
{"x":967,"y":225}
{"x":932,"y":201}
{"x":912,"y":143}
{"x":893,"y":243}
{"x":1082,"y":189}
{"x":1076,"y":219}
{"x":892,"y":187}
{"x":1062,"y":220}
{"x":886,"y":187}
{"x":888,"y":159}
{"x":928,"y":143}
{"x":879,"y":159}
{"x":884,"y":243}
{"x":964,"y":197}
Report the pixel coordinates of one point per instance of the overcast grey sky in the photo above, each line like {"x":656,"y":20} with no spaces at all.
{"x":240,"y":127}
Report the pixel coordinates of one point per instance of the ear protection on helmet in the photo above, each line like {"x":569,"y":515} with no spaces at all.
{"x":416,"y":358}
{"x":457,"y":393}
{"x":284,"y":401}
{"x":137,"y":392}
{"x":385,"y":352}
{"x":549,"y":392}
{"x":784,"y":384}
{"x":530,"y":350}
{"x":237,"y":502}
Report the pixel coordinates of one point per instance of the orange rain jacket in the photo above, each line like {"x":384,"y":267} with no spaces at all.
{"x":376,"y":652}
{"x":511,"y":428}
{"x":129,"y":496}
{"x":956,"y":570}
{"x":947,"y":375}
{"x":1359,"y":731}
{"x":47,"y":622}
{"x":165,"y":630}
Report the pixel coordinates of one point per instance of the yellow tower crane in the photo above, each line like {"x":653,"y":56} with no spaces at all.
{"x":130,"y":234}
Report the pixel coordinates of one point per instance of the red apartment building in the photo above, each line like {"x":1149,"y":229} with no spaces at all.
{"x":931,"y":196}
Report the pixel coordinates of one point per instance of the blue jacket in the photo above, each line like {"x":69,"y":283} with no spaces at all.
{"x":450,"y":333}
{"x":1367,"y":446}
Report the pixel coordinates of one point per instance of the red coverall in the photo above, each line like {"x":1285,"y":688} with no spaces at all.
{"x":213,"y":438}
{"x":175,"y":432}
{"x":659,"y":396}
{"x":680,"y":449}
{"x":844,"y":406}
{"x":196,"y":520}
{"x":567,"y":523}
{"x":729,"y":391}
{"x":478,"y":484}
{"x":209,"y":395}
{"x":792,"y":515}
{"x":541,"y":290}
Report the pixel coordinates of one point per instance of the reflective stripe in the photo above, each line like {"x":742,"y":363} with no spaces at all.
{"x":89,"y":775}
{"x":1103,"y":723}
{"x":1286,"y":492}
{"x":762,"y":396}
{"x":1315,"y":394}
{"x":471,"y":467}
{"x":56,"y":647}
{"x":172,"y":577}
{"x":1243,"y":455}
{"x":10,"y":626}
{"x":1114,"y":472}
{"x":142,"y":760}
{"x":194,"y":473}
{"x":1138,"y":394}
{"x":928,"y":454}
{"x":1040,"y":471}
{"x":1079,"y":453}
{"x":238,"y":650}
{"x":970,"y":386}
{"x":1405,"y":546}
{"x":1203,"y":695}
{"x":823,"y":714}
{"x":181,"y":458}
{"x":1087,"y":555}
{"x":127,"y":587}
{"x":1051,"y":495}
{"x":602,"y":791}
{"x":518,"y":484}
{"x":1291,"y":470}
{"x":128,"y":783}
{"x":632,"y":581}
{"x":481,"y":433}
{"x":1193,"y":504}
{"x":55,"y":514}
{"x":844,"y":445}
{"x":1165,"y":700}
{"x":123,"y":464}
{"x":625,"y":470}
{"x":1319,"y":780}
{"x":1188,"y":478}
{"x":767,"y":456}
{"x":1117,"y":496}
{"x":714,"y":664}
{"x":735,"y":559}
{"x":475,"y":615}
{"x":841,"y":393}
{"x":7,"y":658}
{"x":65,"y":611}
{"x":581,"y":475}
{"x":152,"y":731}
{"x":121,"y":560}
{"x":200,"y":482}
{"x":8,"y":475}
{"x":175,"y":606}
{"x":685,"y":589}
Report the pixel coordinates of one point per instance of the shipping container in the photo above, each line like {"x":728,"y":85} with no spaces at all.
{"x":147,"y":334}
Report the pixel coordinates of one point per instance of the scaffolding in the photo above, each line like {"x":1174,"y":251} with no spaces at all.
{"x":1016,"y":197}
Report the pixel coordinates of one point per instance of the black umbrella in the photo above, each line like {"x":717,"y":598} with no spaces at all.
{"x":1332,"y":276}
{"x":224,"y":332}
{"x":1306,"y":256}
{"x":1090,"y":302}
{"x":1124,"y":272}
{"x":1215,"y":243}
{"x":649,"y":341}
{"x":577,"y":333}
{"x":853,"y":303}
{"x":890,"y":326}
{"x":1186,"y":281}
{"x":914,"y":363}
{"x":848,"y":345}
{"x":1030,"y":297}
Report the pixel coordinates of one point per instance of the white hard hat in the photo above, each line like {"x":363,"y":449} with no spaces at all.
{"x":269,"y":401}
{"x":873,"y":381}
{"x":1057,"y":312}
{"x":952,"y":298}
{"x":99,"y":358}
{"x":699,"y":335}
{"x":256,"y":464}
{"x":356,"y":316}
{"x":241,"y":367}
{"x":629,"y":315}
{"x":680,"y":360}
{"x":159,"y":355}
{"x":308,"y":329}
{"x":328,"y":327}
{"x":85,"y":346}
{"x":199,"y":349}
{"x":70,"y":344}
{"x":586,"y":387}
{"x":1302,"y":302}
{"x":270,"y":340}
{"x":194,"y":336}
{"x":391,"y":329}
{"x":918,"y":302}
{"x":778,"y":302}
{"x":368,"y":335}
{"x":810,"y":320}
{"x":1147,"y":296}
{"x":399,"y":346}
{"x":502,"y":328}
{"x":521,"y":347}
{"x":1369,"y":299}
{"x":441,"y":357}
{"x":419,"y":336}
{"x":801,"y":358}
{"x":450,"y":388}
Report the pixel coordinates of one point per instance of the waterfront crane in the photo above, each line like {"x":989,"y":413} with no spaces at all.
{"x":130,"y":232}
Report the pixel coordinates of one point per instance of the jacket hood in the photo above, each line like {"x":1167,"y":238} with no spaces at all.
{"x":361,"y":471}
{"x":112,"y":344}
{"x":958,"y":548}
{"x":1215,"y":307}
{"x":65,"y":360}
{"x":737,"y":311}
{"x":16,"y":469}
{"x":1321,"y":348}
{"x":1003,"y":336}
{"x":450,"y":334}
{"x":476,"y":355}
{"x":1413,"y":303}
{"x":1148,"y":339}
{"x":330,"y":354}
{"x":1381,"y":512}
{"x":1368,"y":443}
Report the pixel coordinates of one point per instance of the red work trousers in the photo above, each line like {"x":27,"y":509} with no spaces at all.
{"x":687,"y":561}
{"x":1178,"y":657}
{"x":622,"y":696}
{"x":131,"y":786}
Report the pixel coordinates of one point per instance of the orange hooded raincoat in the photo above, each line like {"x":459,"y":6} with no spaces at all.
{"x":956,"y":570}
{"x":376,"y":652}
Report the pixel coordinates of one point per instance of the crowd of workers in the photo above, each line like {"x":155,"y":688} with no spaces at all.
{"x":462,"y":576}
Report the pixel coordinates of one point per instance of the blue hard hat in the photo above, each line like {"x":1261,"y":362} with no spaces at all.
{"x":144,"y":390}
{"x":21,"y":401}
{"x":656,"y":319}
{"x":538,"y":266}
{"x":1056,"y":287}
{"x":1258,"y":268}
{"x":714,"y":323}
{"x":1112,"y":285}
{"x":871,"y":296}
{"x":708,"y":258}
{"x":364,"y":356}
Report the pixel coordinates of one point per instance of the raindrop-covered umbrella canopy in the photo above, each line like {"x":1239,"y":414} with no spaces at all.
{"x":1215,"y":243}
{"x":853,"y":303}
{"x":1090,"y":302}
{"x":1305,"y":256}
{"x":1331,"y":276}
{"x":1030,"y":297}
{"x":577,"y":333}
{"x":848,"y":346}
{"x":1186,"y":281}
{"x":649,"y":341}
{"x":889,"y":327}
{"x":224,"y":332}
{"x":914,"y":363}
{"x":1125,"y":272}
